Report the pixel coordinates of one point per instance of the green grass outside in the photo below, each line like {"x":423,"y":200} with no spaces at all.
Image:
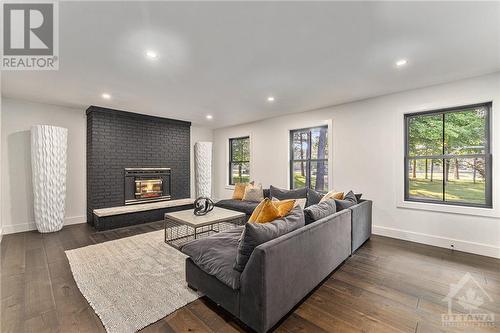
{"x":300,"y":181}
{"x":242,"y":179}
{"x":456,"y":190}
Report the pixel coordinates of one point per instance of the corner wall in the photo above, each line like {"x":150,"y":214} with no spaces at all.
{"x":367,"y":142}
{"x":17,"y":187}
{"x":17,"y":118}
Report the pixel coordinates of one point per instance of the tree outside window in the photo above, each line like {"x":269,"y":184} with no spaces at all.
{"x":447,"y":157}
{"x":309,"y":158}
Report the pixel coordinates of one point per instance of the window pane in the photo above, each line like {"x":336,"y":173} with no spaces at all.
{"x":299,"y":145}
{"x":319,"y":176}
{"x":240,"y":173}
{"x":319,"y":143}
{"x":299,"y":172}
{"x":425,"y":135}
{"x":465,"y":180}
{"x":425,"y":178}
{"x":465,"y":132}
{"x":240,"y":149}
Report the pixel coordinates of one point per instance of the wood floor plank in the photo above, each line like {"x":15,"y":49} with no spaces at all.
{"x":388,"y":285}
{"x":210,"y":318}
{"x":185,"y":321}
{"x":13,"y":254}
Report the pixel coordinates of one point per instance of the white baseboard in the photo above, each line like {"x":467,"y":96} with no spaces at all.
{"x":14,"y":228}
{"x":459,"y":245}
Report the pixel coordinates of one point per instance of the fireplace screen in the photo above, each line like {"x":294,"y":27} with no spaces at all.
{"x":147,"y":185}
{"x":148,"y":188}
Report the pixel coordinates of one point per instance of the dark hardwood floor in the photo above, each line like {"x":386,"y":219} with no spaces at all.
{"x":386,"y":286}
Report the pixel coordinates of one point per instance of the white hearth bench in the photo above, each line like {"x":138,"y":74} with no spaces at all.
{"x":121,"y":216}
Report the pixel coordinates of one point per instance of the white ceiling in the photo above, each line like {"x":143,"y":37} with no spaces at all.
{"x":225,"y":58}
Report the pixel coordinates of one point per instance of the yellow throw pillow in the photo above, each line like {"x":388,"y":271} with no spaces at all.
{"x":333,"y":195}
{"x":285,"y":206}
{"x":268,"y":210}
{"x":239,"y":191}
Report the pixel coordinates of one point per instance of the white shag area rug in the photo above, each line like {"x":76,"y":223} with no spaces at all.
{"x":131,"y":282}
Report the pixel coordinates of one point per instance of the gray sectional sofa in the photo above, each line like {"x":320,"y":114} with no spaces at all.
{"x":280,"y":272}
{"x":361,"y":216}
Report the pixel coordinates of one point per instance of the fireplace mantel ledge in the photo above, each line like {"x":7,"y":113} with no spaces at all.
{"x":103,"y":212}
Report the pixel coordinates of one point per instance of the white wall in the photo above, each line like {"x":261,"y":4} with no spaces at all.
{"x":17,"y":197}
{"x":1,"y":225}
{"x":367,"y":157}
{"x":16,"y":185}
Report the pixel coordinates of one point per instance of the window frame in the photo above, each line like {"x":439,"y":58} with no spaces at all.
{"x":308,"y":158}
{"x":486,"y":155}
{"x":231,"y":161}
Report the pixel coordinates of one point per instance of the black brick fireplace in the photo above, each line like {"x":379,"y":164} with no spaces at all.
{"x":122,"y":145}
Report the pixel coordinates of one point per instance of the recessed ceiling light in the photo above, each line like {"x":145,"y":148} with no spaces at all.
{"x":106,"y":96}
{"x":151,"y":54}
{"x":401,"y":62}
{"x":209,"y":116}
{"x":270,"y":99}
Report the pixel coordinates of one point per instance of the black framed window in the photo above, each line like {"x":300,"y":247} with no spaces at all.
{"x":239,"y":160}
{"x":309,"y":158}
{"x":448,"y":157}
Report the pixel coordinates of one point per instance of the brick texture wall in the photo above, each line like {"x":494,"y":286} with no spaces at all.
{"x":117,"y":140}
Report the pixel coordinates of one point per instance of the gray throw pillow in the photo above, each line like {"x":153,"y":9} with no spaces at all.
{"x":255,"y":234}
{"x":317,"y":212}
{"x":313,"y":197}
{"x":348,"y":201}
{"x":282,"y":194}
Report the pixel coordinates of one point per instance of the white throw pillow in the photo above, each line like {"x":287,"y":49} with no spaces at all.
{"x":253,"y":193}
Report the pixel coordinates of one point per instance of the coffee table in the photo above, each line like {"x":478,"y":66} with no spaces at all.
{"x":183,"y":226}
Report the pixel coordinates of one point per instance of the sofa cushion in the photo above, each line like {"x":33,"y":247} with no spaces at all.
{"x":264,"y":212}
{"x":269,"y":210}
{"x":246,"y":207}
{"x":255,"y":234}
{"x":313,"y":197}
{"x":348,"y":201}
{"x":282,"y":194}
{"x":216,"y":255}
{"x":333,"y":195}
{"x":239,"y":190}
{"x":253,"y":193}
{"x":317,"y":212}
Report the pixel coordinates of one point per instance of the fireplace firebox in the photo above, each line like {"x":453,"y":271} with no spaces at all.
{"x":147,"y":185}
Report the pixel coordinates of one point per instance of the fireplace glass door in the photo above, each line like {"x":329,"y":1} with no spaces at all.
{"x":148,"y":188}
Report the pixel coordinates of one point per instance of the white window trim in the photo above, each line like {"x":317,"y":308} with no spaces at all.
{"x":329,"y":123}
{"x":399,"y":149}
